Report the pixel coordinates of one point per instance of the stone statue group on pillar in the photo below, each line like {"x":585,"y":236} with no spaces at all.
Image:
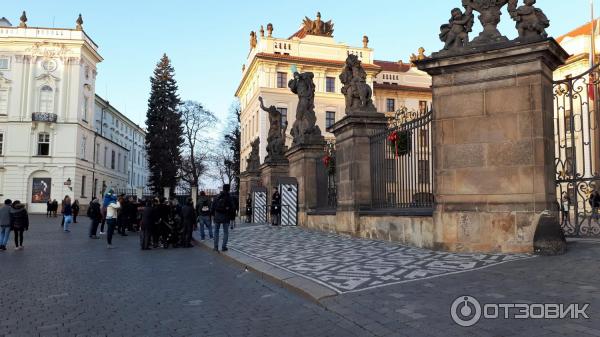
{"x":531,"y":23}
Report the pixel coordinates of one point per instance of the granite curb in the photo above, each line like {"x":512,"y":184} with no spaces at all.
{"x":302,"y":286}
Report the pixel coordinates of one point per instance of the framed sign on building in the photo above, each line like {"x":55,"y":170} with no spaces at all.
{"x":40,"y":190}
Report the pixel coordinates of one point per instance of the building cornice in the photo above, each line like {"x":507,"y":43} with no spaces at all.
{"x":397,"y":87}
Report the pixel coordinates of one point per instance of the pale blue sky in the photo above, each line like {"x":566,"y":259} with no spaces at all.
{"x":208,"y":40}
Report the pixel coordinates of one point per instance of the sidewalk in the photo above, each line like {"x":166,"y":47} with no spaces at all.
{"x":321,"y":265}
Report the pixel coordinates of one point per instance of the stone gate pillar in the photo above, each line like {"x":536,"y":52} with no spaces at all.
{"x":271,"y":171}
{"x":353,"y":165}
{"x":493,"y":145}
{"x":248,"y":180}
{"x":304,"y":159}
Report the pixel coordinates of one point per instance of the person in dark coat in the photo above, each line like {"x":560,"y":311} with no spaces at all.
{"x":5,"y":223}
{"x":122,"y":218}
{"x":95,"y":214}
{"x":188,"y":215}
{"x":54,"y":207}
{"x":276,"y":208}
{"x":203,"y":210}
{"x":234,"y":211}
{"x":249,"y":209}
{"x":76,"y":210}
{"x":19,"y":222}
{"x":48,"y":208}
{"x":148,"y":223}
{"x":223,"y":205}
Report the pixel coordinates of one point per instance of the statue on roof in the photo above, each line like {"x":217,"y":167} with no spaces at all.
{"x":356,"y":90}
{"x":318,"y":27}
{"x":531,"y":21}
{"x":253,"y":41}
{"x":276,"y":139}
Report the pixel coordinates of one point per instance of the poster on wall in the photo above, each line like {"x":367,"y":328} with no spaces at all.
{"x":40,"y":190}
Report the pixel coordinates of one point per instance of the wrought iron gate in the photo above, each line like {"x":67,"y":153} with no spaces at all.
{"x":288,"y":188}
{"x":402,"y":163}
{"x":259,"y":205}
{"x":577,"y":149}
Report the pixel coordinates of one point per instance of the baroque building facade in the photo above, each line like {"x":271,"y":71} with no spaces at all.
{"x":48,"y":128}
{"x":270,"y":64}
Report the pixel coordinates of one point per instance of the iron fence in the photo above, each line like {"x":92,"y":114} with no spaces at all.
{"x":577,"y":150}
{"x":402,"y":163}
{"x":327,"y":178}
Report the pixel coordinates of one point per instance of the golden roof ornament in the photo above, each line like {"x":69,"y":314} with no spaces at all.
{"x":365,"y":41}
{"x":420,"y":57}
{"x":23,"y":23}
{"x":270,"y":29}
{"x":318,"y":27}
{"x":79,"y":23}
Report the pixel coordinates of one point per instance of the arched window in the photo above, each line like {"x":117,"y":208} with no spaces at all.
{"x":46,"y":100}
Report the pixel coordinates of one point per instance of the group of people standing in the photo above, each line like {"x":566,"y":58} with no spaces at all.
{"x":13,"y":217}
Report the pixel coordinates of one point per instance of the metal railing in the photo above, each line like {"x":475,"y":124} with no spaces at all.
{"x":402,"y":163}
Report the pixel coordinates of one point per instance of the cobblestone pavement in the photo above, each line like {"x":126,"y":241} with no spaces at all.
{"x":347,"y":264}
{"x":68,"y":285}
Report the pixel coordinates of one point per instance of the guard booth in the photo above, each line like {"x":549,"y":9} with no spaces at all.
{"x":288,"y":188}
{"x":259,"y":205}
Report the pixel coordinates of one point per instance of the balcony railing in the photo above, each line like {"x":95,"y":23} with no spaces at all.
{"x":44,"y":117}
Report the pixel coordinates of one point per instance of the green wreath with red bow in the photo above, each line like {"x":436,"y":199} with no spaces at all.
{"x":401,"y":142}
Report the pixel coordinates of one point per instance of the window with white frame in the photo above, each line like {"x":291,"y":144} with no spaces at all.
{"x":46,"y":99}
{"x":43,"y":148}
{"x":3,"y":101}
{"x":4,"y":63}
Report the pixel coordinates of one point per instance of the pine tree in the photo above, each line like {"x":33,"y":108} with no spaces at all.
{"x":164,"y":136}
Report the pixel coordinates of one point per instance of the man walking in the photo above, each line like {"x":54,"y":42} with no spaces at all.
{"x":203,"y":209}
{"x":222,"y":208}
{"x":95,"y":215}
{"x":112,"y":213}
{"x":5,"y":223}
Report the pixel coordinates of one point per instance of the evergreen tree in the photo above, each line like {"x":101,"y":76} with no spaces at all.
{"x":164,"y":128}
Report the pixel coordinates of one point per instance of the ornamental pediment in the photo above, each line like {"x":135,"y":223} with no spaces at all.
{"x":49,"y":50}
{"x":47,"y":78}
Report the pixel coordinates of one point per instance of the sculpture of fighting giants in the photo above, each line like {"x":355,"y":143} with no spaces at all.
{"x":356,"y":90}
{"x":531,"y":21}
{"x":253,"y":161}
{"x":276,"y":138}
{"x":304,"y":130}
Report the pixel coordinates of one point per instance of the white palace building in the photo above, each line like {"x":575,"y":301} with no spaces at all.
{"x":57,"y":137}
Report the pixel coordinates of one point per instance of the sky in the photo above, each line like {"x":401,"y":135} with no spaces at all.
{"x":208,"y":41}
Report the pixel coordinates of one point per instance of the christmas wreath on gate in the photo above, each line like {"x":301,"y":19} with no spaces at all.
{"x":329,"y":163}
{"x":401,"y":142}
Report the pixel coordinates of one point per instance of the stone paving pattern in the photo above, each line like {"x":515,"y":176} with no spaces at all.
{"x":347,"y":264}
{"x":67,"y":285}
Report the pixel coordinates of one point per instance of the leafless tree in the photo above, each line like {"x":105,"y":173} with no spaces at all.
{"x":197,"y":123}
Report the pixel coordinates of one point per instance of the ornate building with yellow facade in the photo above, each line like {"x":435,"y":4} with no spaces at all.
{"x":269,"y":67}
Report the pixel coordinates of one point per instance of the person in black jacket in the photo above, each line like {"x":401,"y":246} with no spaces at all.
{"x":149,"y":223}
{"x":19,"y":222}
{"x":95,"y":215}
{"x":203,"y":210}
{"x":188,"y":215}
{"x":276,"y":208}
{"x":76,"y":210}
{"x":222,"y":208}
{"x":249,"y":209}
{"x":123,"y":217}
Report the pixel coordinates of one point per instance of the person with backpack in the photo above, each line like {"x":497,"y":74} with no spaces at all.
{"x":95,"y":215}
{"x":203,"y":209}
{"x":5,"y":223}
{"x":67,"y":214}
{"x":222,"y":208}
{"x":19,"y":222}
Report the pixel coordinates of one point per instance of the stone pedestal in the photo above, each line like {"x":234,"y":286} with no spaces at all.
{"x":248,"y":180}
{"x":270,"y":172}
{"x":353,"y":165}
{"x":304,"y":159}
{"x":493,"y":146}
